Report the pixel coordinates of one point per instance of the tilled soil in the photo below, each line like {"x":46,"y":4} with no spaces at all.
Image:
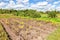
{"x":23,"y":29}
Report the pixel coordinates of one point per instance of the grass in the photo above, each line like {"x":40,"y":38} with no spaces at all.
{"x":55,"y":35}
{"x":3,"y":35}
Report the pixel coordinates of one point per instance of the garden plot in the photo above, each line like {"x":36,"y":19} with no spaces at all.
{"x":24,"y":29}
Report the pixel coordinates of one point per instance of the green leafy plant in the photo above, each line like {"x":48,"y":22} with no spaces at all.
{"x":52,"y":14}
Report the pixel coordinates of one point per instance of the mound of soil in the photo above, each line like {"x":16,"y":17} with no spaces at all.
{"x":24,"y":29}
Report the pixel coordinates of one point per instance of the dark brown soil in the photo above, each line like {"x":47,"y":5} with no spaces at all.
{"x":24,"y":29}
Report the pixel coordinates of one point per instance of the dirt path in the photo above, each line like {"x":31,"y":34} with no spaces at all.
{"x":23,"y":29}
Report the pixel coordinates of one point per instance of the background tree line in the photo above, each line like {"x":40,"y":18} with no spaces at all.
{"x":29,"y":13}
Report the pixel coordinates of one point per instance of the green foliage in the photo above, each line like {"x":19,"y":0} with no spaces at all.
{"x":52,"y":14}
{"x":36,"y":15}
{"x":29,"y":13}
{"x":26,"y":13}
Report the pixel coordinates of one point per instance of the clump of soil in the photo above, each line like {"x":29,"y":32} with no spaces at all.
{"x":24,"y":29}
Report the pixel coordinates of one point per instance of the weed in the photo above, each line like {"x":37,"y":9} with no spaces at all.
{"x":3,"y":35}
{"x":21,"y":22}
{"x":21,"y":26}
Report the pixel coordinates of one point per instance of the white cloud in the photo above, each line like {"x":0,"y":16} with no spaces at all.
{"x":6,"y":0}
{"x":11,"y":4}
{"x":58,"y":8}
{"x":18,"y":5}
{"x":25,"y":1}
{"x":42,"y":3}
{"x":49,"y":0}
{"x":22,"y":1}
{"x":42,"y":6}
{"x":18,"y":1}
{"x":39,"y":6}
{"x":2,"y":4}
{"x":24,"y":4}
{"x":56,"y":2}
{"x":50,"y":7}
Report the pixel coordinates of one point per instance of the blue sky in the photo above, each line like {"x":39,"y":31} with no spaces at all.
{"x":42,"y":5}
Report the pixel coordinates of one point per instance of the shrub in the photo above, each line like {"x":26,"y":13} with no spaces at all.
{"x":52,"y":14}
{"x":29,"y":13}
{"x":36,"y":15}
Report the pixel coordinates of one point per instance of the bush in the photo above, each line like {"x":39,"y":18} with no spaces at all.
{"x":36,"y":15}
{"x":52,"y":14}
{"x":29,"y":13}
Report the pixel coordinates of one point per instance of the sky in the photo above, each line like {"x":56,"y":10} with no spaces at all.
{"x":40,"y":5}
